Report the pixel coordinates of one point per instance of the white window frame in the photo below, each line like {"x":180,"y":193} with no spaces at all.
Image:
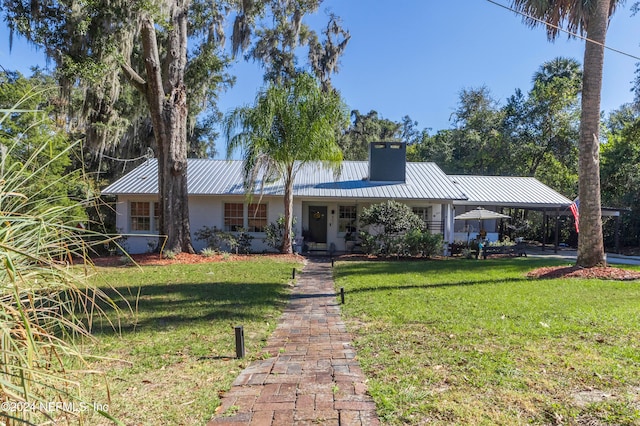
{"x":232,"y":227}
{"x":153,"y":217}
{"x":425,"y":213}
{"x":251,"y":217}
{"x":345,"y":219}
{"x":245,"y":218}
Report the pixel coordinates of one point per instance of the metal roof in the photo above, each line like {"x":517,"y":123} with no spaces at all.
{"x":424,"y":181}
{"x":508,"y":191}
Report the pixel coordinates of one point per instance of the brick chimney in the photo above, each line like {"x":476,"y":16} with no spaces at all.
{"x":387,"y":161}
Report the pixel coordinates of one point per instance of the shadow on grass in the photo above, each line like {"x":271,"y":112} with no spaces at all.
{"x":158,"y":306}
{"x":427,"y":286}
{"x":442,"y":274}
{"x":390,"y":266}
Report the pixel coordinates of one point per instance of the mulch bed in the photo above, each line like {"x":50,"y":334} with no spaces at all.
{"x":549,"y":272}
{"x":604,"y":273}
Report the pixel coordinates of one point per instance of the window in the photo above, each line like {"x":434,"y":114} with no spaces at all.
{"x":424,"y":213}
{"x":233,"y":216}
{"x":347,"y":216}
{"x":257,"y":217}
{"x":156,"y":216}
{"x":140,"y":216}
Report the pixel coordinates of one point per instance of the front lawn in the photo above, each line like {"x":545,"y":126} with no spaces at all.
{"x":476,"y":342}
{"x":176,"y":350}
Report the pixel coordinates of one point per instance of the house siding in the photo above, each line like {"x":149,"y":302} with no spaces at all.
{"x":208,"y":210}
{"x":203,"y":211}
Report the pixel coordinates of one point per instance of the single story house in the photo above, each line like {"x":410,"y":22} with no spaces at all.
{"x":326,"y":207}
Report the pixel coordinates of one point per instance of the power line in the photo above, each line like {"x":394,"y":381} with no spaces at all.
{"x":148,"y":155}
{"x":563,"y":30}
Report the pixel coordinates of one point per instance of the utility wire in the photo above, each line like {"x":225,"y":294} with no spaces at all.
{"x":563,"y":30}
{"x":148,"y":155}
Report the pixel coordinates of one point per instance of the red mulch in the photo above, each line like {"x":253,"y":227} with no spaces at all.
{"x":605,"y":273}
{"x":154,"y":259}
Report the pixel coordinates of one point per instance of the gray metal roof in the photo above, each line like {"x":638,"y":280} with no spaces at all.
{"x":523,"y":192}
{"x":425,"y":181}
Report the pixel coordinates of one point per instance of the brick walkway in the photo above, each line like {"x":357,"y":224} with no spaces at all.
{"x":312,"y":375}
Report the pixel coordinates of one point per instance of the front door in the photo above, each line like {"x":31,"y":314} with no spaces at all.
{"x":318,"y":224}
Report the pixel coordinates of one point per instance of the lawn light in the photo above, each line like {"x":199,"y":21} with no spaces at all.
{"x":239,"y":341}
{"x":293,"y":274}
{"x":342,"y":295}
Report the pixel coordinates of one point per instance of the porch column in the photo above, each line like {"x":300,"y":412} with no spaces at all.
{"x":555,"y":246}
{"x":544,"y":228}
{"x":448,"y":227}
{"x":617,"y":234}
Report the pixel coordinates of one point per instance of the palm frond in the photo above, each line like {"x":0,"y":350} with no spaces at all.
{"x":46,"y":301}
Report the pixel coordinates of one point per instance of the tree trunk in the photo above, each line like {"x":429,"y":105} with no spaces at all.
{"x":590,"y":241}
{"x":167,"y":100}
{"x":287,"y":246}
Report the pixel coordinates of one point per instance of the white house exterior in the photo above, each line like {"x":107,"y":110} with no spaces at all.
{"x":326,"y":207}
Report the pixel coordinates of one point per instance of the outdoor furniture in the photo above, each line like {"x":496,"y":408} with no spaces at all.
{"x":518,"y":249}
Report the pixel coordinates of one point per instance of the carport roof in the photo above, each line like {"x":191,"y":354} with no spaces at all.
{"x":508,"y":191}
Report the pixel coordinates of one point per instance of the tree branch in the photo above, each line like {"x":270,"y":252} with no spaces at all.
{"x":134,"y":78}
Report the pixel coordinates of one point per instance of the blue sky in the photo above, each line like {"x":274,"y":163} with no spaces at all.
{"x":413,"y":57}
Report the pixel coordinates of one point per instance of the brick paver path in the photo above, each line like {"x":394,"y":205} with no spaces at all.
{"x":312,"y":375}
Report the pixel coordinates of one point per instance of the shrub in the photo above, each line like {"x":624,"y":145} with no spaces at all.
{"x":211,"y":235}
{"x":432,"y":244}
{"x":208,"y":252}
{"x":220,"y":240}
{"x":393,"y":217}
{"x":170,"y":254}
{"x":275,"y":233}
{"x":388,"y":223}
{"x":369,"y":243}
{"x":240,"y":242}
{"x":422,"y":243}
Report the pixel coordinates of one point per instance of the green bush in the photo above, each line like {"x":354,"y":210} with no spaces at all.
{"x":212,"y":236}
{"x":422,"y":243}
{"x":275,"y":233}
{"x":170,"y":254}
{"x":241,"y":242}
{"x":220,"y":240}
{"x":393,"y":229}
{"x":395,"y":218}
{"x":208,"y":252}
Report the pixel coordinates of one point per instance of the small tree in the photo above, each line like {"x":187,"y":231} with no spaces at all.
{"x":388,"y":223}
{"x":275,"y":233}
{"x":289,"y":126}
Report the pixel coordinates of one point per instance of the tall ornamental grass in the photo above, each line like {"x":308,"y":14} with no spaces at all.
{"x":46,"y":301}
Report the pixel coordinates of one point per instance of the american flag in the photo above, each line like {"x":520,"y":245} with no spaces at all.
{"x":576,"y":214}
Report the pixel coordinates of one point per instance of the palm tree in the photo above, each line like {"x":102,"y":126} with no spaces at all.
{"x":560,"y":67}
{"x":590,"y":18}
{"x":290,"y":125}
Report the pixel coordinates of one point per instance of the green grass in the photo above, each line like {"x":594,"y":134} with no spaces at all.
{"x":175,"y":351}
{"x":478,"y":343}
